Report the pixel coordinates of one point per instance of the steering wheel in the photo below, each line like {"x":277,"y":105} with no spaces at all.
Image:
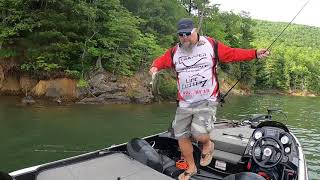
{"x":267,"y":152}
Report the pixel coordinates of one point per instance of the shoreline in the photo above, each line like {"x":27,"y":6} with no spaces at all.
{"x":49,"y":101}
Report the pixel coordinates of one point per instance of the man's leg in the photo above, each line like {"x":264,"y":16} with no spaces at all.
{"x":187,"y":152}
{"x":181,"y":127}
{"x":202,"y":124}
{"x":207,"y":144}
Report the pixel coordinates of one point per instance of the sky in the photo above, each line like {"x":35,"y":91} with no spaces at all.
{"x":276,"y":10}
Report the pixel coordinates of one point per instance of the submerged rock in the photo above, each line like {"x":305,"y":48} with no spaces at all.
{"x":28,"y":100}
{"x":106,"y":99}
{"x":57,"y":100}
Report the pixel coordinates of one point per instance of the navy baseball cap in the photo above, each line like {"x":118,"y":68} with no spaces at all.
{"x":185,"y":25}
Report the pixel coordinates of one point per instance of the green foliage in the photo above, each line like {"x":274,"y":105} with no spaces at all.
{"x":68,"y":35}
{"x":40,"y":65}
{"x":6,"y":53}
{"x":145,"y":50}
{"x":73,"y":74}
{"x":167,"y":86}
{"x":160,"y":17}
{"x":294,"y":64}
{"x":82,"y":83}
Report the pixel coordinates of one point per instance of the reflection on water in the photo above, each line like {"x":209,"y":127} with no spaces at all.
{"x":37,"y":134}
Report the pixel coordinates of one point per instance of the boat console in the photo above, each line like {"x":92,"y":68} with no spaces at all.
{"x":242,"y":151}
{"x":272,"y":152}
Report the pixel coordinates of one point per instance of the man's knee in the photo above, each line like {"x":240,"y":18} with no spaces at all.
{"x":203,"y":138}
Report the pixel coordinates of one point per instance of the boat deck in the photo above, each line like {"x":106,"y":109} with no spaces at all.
{"x":115,"y":166}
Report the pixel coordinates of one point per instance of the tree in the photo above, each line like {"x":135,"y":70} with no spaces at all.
{"x":53,"y":37}
{"x":160,"y":18}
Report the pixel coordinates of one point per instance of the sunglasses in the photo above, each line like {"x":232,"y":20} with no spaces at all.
{"x":184,"y":34}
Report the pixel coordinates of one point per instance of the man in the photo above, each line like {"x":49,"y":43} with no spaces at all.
{"x":195,"y":61}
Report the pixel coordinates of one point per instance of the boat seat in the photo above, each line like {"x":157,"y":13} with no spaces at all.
{"x":142,"y":151}
{"x":166,"y":162}
{"x":244,"y":176}
{"x":169,"y":167}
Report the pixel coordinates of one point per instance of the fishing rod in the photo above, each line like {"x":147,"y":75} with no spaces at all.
{"x":269,"y":47}
{"x":288,"y":25}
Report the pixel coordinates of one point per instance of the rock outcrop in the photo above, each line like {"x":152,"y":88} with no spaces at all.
{"x":105,"y":88}
{"x":10,"y":85}
{"x":27,"y":84}
{"x":62,"y":87}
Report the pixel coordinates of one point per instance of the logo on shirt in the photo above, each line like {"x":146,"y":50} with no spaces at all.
{"x":195,"y":80}
{"x":189,"y":61}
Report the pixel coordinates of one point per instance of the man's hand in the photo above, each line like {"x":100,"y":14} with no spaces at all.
{"x":262,"y":53}
{"x":153,"y":70}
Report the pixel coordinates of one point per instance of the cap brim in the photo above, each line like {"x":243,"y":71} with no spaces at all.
{"x":185,"y":30}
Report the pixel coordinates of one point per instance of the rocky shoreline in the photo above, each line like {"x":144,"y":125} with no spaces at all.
{"x":102,"y":88}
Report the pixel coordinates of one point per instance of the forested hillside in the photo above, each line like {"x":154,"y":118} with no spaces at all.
{"x":295,"y":61}
{"x":68,"y":36}
{"x":54,"y":38}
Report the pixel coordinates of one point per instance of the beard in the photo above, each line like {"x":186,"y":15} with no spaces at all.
{"x":187,"y":46}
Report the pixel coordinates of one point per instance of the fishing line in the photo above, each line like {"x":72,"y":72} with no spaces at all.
{"x":60,"y":151}
{"x":288,"y":25}
{"x":226,"y":94}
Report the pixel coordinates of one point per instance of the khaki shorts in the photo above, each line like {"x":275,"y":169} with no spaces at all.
{"x":195,"y":121}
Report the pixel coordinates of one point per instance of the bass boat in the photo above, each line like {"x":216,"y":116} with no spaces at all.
{"x":254,"y":148}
